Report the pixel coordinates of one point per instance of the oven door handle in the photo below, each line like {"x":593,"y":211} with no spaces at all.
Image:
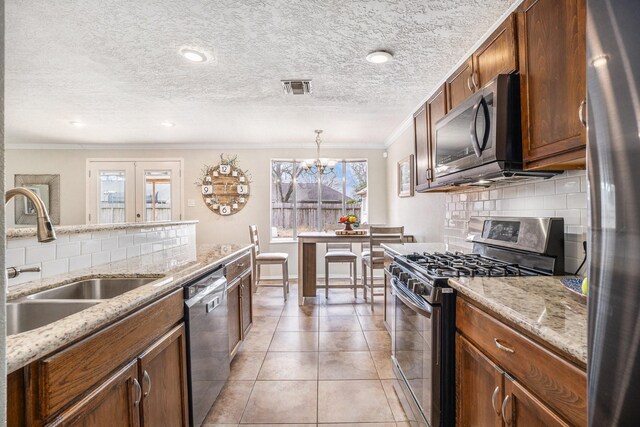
{"x":400,"y":293}
{"x":478,"y":148}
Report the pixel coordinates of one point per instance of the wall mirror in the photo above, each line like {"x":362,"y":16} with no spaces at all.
{"x":45,"y":186}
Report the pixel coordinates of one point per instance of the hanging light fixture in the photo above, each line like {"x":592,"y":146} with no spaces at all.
{"x":323,"y":164}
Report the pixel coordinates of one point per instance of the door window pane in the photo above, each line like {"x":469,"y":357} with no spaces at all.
{"x":111,"y":205}
{"x":157,"y":196}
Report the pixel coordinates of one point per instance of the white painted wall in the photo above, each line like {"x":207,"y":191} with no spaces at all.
{"x":71,"y":165}
{"x":422,"y":215}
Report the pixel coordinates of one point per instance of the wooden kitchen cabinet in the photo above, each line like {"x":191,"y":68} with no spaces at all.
{"x":149,"y":391}
{"x":100,"y":380}
{"x":421,"y":129}
{"x":163,"y":377}
{"x":479,"y":387}
{"x":459,"y":85}
{"x":246,"y":303}
{"x":497,"y":55}
{"x":239,"y":300}
{"x":425,"y":121}
{"x":521,"y":408}
{"x":233,"y":315}
{"x":552,"y":51}
{"x":116,"y":402}
{"x":540,"y":388}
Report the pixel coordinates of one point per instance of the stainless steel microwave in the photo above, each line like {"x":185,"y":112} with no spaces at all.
{"x":479,"y":141}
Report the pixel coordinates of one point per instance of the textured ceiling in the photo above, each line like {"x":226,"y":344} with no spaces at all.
{"x":114,"y":65}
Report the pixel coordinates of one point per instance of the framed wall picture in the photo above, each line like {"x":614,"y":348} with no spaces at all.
{"x":405,"y":177}
{"x":45,"y":186}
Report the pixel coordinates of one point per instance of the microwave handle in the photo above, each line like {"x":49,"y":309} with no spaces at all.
{"x":475,"y":140}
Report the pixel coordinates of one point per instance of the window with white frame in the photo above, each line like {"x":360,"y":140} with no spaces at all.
{"x":302,"y":199}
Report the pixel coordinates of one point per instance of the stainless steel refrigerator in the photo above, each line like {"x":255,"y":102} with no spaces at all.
{"x":613,"y":76}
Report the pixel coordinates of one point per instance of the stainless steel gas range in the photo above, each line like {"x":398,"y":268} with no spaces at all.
{"x":423,"y":305}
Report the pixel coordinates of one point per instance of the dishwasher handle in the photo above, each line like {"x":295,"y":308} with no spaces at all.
{"x":212,"y":303}
{"x":216,"y":286}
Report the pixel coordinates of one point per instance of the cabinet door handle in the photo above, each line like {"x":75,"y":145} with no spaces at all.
{"x":138,"y":392}
{"x":146,"y":381}
{"x":503,"y":347}
{"x":493,"y":400}
{"x":473,"y":80}
{"x":583,"y":121}
{"x":469,"y":83}
{"x":506,"y":420}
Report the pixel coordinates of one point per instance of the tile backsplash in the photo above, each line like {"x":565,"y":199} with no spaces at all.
{"x":75,"y":251}
{"x":562,"y":196}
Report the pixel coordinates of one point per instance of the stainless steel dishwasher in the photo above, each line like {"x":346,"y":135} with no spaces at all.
{"x":207,"y":341}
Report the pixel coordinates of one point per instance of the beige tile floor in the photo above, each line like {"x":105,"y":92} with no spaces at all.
{"x":326,"y":363}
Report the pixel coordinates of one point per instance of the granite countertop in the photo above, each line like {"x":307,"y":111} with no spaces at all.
{"x":21,"y":232}
{"x":540,"y":306}
{"x":172,"y":267}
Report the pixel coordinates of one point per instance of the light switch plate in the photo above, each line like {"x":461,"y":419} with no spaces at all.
{"x":191,"y":203}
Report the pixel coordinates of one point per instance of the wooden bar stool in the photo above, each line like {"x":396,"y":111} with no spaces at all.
{"x":260,"y":259}
{"x":341,"y":253}
{"x":373,"y":259}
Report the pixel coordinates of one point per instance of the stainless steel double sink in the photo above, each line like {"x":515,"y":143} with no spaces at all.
{"x":48,"y":306}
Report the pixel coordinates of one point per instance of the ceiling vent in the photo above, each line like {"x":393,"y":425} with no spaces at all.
{"x":296,"y":87}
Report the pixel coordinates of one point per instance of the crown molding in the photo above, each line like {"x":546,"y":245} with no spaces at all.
{"x":177,"y":146}
{"x":399,"y":131}
{"x":391,"y":139}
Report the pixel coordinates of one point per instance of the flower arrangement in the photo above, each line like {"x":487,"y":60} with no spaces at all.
{"x":349,"y":221}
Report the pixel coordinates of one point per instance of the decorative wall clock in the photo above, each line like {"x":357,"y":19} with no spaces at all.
{"x":225,"y":187}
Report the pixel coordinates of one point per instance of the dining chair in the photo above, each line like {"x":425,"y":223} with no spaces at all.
{"x":265,"y":258}
{"x":341,"y":253}
{"x":373,"y":258}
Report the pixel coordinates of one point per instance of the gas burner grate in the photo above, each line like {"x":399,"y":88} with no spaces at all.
{"x":458,"y":264}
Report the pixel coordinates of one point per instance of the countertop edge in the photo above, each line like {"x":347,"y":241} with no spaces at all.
{"x":511,"y":317}
{"x":107,"y":313}
{"x":19,"y":233}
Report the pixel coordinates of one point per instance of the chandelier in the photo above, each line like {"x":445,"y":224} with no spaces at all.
{"x":322,"y":164}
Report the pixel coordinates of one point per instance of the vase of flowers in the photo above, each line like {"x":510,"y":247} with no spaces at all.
{"x":349,"y":221}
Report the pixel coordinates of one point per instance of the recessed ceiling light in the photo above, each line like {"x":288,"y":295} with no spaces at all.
{"x":193,"y":55}
{"x":379,"y":57}
{"x":76,"y":123}
{"x":599,"y":61}
{"x":168,"y":124}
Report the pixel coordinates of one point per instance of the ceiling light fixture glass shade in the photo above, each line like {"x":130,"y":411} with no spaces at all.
{"x":76,"y":123}
{"x":379,"y":57}
{"x":168,"y":124}
{"x":193,"y":55}
{"x":323,"y":164}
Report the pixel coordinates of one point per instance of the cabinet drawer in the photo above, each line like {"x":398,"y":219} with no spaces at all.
{"x":238,"y":266}
{"x":560,"y":384}
{"x":67,"y":374}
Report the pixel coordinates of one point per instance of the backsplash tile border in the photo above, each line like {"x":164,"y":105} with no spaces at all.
{"x":73,"y":252}
{"x":563,"y":196}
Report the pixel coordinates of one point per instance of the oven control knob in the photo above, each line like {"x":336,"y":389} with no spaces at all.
{"x":394,"y":269}
{"x":413,"y":284}
{"x":421,"y":289}
{"x":403,"y":277}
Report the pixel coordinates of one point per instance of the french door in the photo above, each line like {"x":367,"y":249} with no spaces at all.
{"x":120,"y":191}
